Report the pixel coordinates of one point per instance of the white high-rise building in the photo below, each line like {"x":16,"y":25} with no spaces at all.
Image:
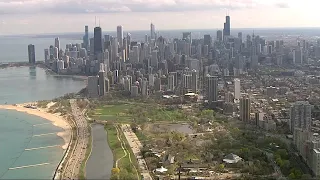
{"x":152,"y":31}
{"x":151,"y":79}
{"x":120,"y":35}
{"x":237,"y":88}
{"x":171,"y":82}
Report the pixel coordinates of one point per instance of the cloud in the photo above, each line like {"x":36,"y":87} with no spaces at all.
{"x":110,"y":6}
{"x":282,"y":5}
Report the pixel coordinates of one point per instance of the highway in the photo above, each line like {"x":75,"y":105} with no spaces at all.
{"x":72,"y":168}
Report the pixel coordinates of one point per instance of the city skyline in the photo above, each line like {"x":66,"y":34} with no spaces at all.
{"x":137,"y":15}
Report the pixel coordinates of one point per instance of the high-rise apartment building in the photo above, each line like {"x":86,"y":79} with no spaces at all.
{"x":300,"y":116}
{"x":93,"y":91}
{"x":211,"y":88}
{"x":245,"y":108}
{"x":102,"y":82}
{"x":31,"y":54}
{"x":236,"y":88}
{"x":194,"y":77}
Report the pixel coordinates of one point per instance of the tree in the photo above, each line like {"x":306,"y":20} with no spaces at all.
{"x":115,"y":171}
{"x":306,"y":176}
{"x":292,"y":176}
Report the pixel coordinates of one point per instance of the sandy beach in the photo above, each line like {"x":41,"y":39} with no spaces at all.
{"x":56,"y":119}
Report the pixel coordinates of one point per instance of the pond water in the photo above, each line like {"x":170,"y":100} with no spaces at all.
{"x":181,"y":128}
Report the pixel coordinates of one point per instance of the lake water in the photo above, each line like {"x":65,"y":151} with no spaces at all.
{"x":27,"y":84}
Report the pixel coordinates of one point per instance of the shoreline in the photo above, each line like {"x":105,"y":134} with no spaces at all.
{"x":55,"y":119}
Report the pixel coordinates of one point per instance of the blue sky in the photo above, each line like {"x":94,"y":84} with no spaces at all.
{"x":56,"y":16}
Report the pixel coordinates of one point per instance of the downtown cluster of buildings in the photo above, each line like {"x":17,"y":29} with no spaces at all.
{"x":261,"y":82}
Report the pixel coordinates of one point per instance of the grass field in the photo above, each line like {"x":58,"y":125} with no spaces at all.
{"x":118,"y":152}
{"x":127,"y":112}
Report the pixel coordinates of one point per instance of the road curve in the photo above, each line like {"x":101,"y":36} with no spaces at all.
{"x":82,"y":138}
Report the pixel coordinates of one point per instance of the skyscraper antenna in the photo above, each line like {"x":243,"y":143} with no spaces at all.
{"x":95,"y":20}
{"x":99,"y":22}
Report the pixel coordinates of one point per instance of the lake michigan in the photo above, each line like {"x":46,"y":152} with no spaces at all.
{"x":17,"y":129}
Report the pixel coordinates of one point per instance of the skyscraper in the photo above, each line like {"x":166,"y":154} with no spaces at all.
{"x":31,"y":54}
{"x":226,"y":28}
{"x":207,"y":40}
{"x":212,"y":88}
{"x":219,"y":35}
{"x":152,"y":31}
{"x":102,"y":83}
{"x":194,"y":85}
{"x":245,"y":109}
{"x":300,"y":116}
{"x":97,"y":36}
{"x":86,"y":38}
{"x":237,"y":88}
{"x":57,"y":43}
{"x":120,"y":35}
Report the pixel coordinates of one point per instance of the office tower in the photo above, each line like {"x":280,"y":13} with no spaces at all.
{"x":55,"y":53}
{"x":219,"y":35}
{"x":135,"y":55}
{"x":93,"y":91}
{"x":57,"y":43}
{"x":97,"y":36}
{"x":300,"y":115}
{"x":226,"y":29}
{"x":187,"y":37}
{"x":120,"y":35}
{"x":245,"y":109}
{"x":240,"y":36}
{"x":31,"y":54}
{"x":171,"y":83}
{"x":211,"y":88}
{"x":194,"y":77}
{"x":207,"y":40}
{"x":237,"y":88}
{"x":114,"y":49}
{"x":154,"y":58}
{"x":152,"y":31}
{"x":46,"y":55}
{"x":86,"y":38}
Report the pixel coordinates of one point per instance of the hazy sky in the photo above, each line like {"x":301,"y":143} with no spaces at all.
{"x":56,"y":16}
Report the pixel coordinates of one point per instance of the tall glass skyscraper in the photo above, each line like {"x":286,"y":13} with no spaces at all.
{"x":97,"y":36}
{"x":86,"y":37}
{"x":226,"y":29}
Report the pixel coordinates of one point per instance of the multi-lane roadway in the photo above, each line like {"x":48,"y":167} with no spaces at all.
{"x":77,"y":155}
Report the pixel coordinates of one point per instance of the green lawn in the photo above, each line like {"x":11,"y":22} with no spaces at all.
{"x":117,"y":151}
{"x":127,"y":112}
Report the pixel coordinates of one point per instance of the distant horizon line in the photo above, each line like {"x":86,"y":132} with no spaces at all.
{"x":160,"y":30}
